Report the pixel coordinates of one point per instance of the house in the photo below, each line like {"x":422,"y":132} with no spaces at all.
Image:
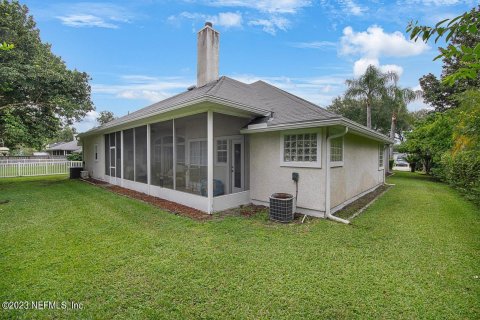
{"x":63,"y":148}
{"x":224,"y":143}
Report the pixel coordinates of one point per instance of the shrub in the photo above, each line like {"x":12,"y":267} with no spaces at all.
{"x":462,"y":171}
{"x":75,"y":156}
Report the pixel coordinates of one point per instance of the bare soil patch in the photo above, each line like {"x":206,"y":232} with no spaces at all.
{"x":358,"y":204}
{"x":166,"y":205}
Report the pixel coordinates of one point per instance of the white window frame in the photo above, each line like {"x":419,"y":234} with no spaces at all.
{"x":301,"y":164}
{"x":217,"y":163}
{"x":338,"y":163}
{"x":95,"y":152}
{"x":381,"y":151}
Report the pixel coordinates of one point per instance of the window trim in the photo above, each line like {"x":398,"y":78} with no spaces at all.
{"x":301,"y":164}
{"x":381,"y":151}
{"x":334,"y":164}
{"x":217,"y":163}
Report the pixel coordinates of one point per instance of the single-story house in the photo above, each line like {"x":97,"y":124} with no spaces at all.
{"x":63,"y":148}
{"x":224,"y":143}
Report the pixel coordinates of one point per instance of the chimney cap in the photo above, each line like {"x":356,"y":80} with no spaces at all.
{"x":208,"y":24}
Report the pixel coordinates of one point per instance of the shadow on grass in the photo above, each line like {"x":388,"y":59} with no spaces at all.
{"x":414,"y":176}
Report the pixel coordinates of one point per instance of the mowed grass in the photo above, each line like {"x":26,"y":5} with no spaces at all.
{"x":413,"y":254}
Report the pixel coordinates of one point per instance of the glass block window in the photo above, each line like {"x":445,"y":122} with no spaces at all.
{"x":380,"y":156}
{"x":222,"y":151}
{"x":336,"y":150}
{"x":300,"y":147}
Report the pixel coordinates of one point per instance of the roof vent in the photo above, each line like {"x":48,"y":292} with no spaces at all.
{"x":208,"y":24}
{"x":191,"y":87}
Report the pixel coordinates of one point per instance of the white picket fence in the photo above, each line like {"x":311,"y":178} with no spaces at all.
{"x":29,"y":169}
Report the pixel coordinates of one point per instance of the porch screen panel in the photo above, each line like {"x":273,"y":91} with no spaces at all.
{"x":191,"y":151}
{"x":118,"y":138}
{"x":128,"y":154}
{"x":141,"y":154}
{"x":161,"y":150}
{"x":107,"y":154}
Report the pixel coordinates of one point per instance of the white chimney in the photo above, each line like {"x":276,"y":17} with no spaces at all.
{"x":207,"y":55}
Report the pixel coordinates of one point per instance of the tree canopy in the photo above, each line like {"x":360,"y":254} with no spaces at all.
{"x":464,"y":48}
{"x":105,"y":117}
{"x":38,"y":93}
{"x":368,"y":87}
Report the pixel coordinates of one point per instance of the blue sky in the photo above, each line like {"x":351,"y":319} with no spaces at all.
{"x":140,"y":52}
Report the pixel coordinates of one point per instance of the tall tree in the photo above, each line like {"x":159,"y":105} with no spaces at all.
{"x":466,"y":56}
{"x":461,"y":53}
{"x":38,"y":93}
{"x":368,"y":87}
{"x":400,"y":98}
{"x":105,"y":117}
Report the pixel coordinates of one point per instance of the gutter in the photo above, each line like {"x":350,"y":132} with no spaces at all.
{"x":188,"y":103}
{"x":357,"y":128}
{"x":328,"y":208}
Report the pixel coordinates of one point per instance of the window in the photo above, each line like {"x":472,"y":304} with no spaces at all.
{"x":336,"y":151}
{"x":300,"y":148}
{"x":380,"y":156}
{"x":222,"y":151}
{"x":95,"y":151}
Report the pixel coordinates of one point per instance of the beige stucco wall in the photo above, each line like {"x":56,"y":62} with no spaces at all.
{"x":268,"y":177}
{"x":358,"y":174}
{"x":96,"y":169}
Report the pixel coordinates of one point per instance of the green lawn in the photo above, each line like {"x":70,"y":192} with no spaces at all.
{"x":413,"y":254}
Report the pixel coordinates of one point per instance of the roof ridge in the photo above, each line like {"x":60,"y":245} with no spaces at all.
{"x":216,"y":86}
{"x":291,"y":96}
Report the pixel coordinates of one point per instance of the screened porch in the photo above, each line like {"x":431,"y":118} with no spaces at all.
{"x":182,"y":159}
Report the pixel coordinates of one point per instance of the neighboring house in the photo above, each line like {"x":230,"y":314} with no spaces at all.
{"x":224,"y":143}
{"x":63,"y":148}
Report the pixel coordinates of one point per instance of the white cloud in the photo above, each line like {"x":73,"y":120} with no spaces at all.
{"x":88,"y":122}
{"x":362,"y":64}
{"x":375,"y":42}
{"x":86,"y":20}
{"x":350,"y":7}
{"x":223,"y":19}
{"x":86,"y":14}
{"x":151,"y":89}
{"x":270,"y":6}
{"x":315,"y":45}
{"x":319,"y":90}
{"x":438,"y":2}
{"x":272,"y":24}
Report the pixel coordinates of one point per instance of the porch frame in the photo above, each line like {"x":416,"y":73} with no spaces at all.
{"x":208,"y":204}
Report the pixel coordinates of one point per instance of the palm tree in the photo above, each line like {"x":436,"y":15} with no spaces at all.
{"x":400,"y":98}
{"x":373,"y":84}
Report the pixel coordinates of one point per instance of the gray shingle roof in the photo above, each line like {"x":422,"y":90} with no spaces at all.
{"x":69,"y":146}
{"x":261,"y":96}
{"x":268,"y":104}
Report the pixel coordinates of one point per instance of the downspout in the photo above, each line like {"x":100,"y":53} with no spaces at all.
{"x":328,"y":215}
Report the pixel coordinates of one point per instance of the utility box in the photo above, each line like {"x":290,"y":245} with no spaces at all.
{"x":281,"y":207}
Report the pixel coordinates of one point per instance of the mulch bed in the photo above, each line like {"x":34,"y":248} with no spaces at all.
{"x":166,"y":205}
{"x":358,"y":204}
{"x":95,"y":181}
